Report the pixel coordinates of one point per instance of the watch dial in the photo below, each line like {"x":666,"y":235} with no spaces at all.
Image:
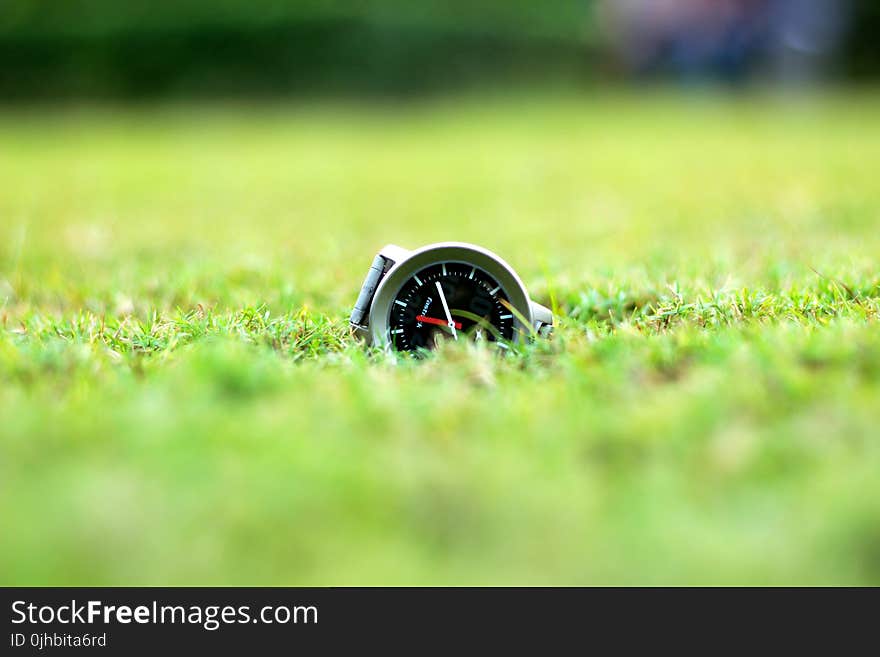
{"x":456,"y":291}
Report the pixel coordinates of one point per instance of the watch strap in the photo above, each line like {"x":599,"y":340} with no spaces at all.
{"x":368,"y":289}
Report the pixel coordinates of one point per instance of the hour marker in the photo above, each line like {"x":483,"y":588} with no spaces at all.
{"x":495,"y":290}
{"x":503,"y":316}
{"x":502,"y":345}
{"x":472,"y":272}
{"x":400,"y":303}
{"x":443,"y":267}
{"x":397,"y":331}
{"x":417,"y":279}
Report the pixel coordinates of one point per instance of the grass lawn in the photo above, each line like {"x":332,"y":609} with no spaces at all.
{"x":180,"y":402}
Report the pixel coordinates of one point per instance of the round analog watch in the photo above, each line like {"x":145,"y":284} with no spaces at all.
{"x":414,"y":300}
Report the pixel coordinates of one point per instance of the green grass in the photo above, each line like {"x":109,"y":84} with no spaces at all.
{"x":180,"y":402}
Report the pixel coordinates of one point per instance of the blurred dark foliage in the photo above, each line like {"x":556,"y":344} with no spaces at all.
{"x":166,"y":47}
{"x":141,"y":48}
{"x":862,"y":54}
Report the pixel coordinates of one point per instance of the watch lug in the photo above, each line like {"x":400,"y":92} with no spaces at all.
{"x":542,"y":317}
{"x":394,"y":253}
{"x":362,"y":333}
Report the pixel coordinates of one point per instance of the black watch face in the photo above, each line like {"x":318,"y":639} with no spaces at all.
{"x":449,"y":301}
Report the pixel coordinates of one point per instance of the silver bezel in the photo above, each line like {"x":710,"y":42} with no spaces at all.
{"x":415,"y":261}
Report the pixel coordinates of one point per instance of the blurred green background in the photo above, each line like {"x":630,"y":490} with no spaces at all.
{"x":139,"y":49}
{"x":190,"y":195}
{"x":267,"y":47}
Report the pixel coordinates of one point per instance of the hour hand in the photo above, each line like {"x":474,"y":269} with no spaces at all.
{"x":435,"y":320}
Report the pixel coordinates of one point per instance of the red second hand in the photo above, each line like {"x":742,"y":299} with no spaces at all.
{"x":434,"y":320}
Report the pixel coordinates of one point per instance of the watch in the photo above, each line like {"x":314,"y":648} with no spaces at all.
{"x":414,"y":300}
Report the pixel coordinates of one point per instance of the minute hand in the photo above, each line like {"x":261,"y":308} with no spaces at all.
{"x":449,"y":320}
